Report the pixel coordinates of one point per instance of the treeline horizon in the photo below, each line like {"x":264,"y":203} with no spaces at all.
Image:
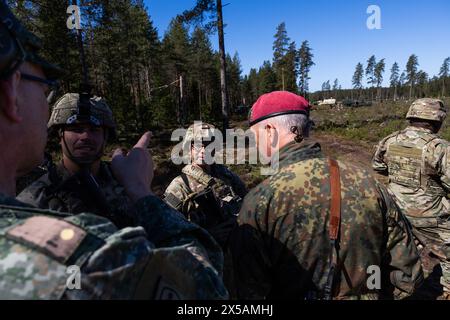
{"x":152,"y":80}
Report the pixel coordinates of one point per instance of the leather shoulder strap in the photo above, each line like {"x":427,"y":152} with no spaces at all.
{"x":335,"y":181}
{"x":335,"y":221}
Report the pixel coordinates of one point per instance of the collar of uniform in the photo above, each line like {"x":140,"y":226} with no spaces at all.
{"x":198,"y":174}
{"x":104,"y":173}
{"x":10,"y":201}
{"x":419,"y":129}
{"x":297,"y":151}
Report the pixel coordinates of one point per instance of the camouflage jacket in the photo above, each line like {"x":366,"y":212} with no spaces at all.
{"x":281,"y":248}
{"x":50,"y":255}
{"x":59,"y":190}
{"x":418,"y":164}
{"x":226,"y":187}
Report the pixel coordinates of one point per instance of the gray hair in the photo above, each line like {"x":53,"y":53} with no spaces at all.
{"x":287,"y":121}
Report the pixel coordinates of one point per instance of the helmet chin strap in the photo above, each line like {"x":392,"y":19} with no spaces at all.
{"x":84,"y":163}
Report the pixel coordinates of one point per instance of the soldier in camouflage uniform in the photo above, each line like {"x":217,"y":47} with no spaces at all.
{"x":208,"y":194}
{"x":316,"y":227}
{"x":417,"y":162}
{"x":81,"y":182}
{"x":164,"y":257}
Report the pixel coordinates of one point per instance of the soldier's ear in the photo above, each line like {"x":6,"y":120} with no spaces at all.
{"x":8,"y":97}
{"x":271,"y":130}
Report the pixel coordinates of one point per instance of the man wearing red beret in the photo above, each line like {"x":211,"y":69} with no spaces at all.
{"x":317,"y":228}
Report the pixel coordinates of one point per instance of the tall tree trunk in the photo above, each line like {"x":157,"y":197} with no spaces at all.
{"x":199,"y":100}
{"x":443,"y":86}
{"x":223,"y":67}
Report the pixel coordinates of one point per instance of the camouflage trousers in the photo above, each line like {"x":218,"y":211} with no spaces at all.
{"x":437,"y":241}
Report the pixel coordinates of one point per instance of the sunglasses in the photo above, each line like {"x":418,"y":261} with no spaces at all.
{"x":52,"y":85}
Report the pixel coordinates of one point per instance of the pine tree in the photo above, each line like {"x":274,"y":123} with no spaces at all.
{"x":176,"y":46}
{"x":370,"y":71}
{"x":306,"y":62}
{"x":411,"y":72}
{"x":203,"y":76}
{"x":280,"y":48}
{"x":213,"y":8}
{"x":267,"y":78}
{"x":358,"y":77}
{"x":422,"y":80}
{"x":394,"y":78}
{"x":444,"y":72}
{"x":234,"y":80}
{"x":378,"y":76}
{"x":335,"y":87}
{"x":291,"y":65}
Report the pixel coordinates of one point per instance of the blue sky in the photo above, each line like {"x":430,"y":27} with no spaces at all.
{"x":335,"y":29}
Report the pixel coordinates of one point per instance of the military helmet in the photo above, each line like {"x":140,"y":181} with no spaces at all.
{"x":427,"y":109}
{"x":199,"y":131}
{"x":66,"y":111}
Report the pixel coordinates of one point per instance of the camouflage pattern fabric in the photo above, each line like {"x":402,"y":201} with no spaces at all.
{"x":66,"y":108}
{"x":227,"y":187}
{"x":281,"y":248}
{"x":165,"y":258}
{"x":427,"y":109}
{"x":198,"y":132}
{"x":417,"y":162}
{"x":418,"y":165}
{"x":59,"y":190}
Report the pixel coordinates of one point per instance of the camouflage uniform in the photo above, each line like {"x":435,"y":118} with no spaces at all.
{"x":282,"y":248}
{"x":62,"y":191}
{"x":206,"y":198}
{"x":417,"y":162}
{"x":226,"y":186}
{"x":165,"y":258}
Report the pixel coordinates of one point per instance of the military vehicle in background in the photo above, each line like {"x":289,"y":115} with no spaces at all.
{"x":327,"y":102}
{"x":355,"y":103}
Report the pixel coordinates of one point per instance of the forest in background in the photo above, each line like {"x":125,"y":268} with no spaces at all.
{"x":153,"y":80}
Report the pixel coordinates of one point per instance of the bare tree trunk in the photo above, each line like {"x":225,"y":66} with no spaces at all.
{"x":199,"y":101}
{"x":183,"y":100}
{"x":147,"y":83}
{"x":223,"y":67}
{"x":443,"y":86}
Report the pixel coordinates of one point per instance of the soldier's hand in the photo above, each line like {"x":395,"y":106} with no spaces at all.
{"x":134,"y":170}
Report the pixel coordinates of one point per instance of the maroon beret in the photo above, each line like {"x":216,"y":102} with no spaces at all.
{"x":278,"y":103}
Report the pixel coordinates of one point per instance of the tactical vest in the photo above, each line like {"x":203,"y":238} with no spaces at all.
{"x":228,"y":202}
{"x":78,"y":193}
{"x":408,"y":166}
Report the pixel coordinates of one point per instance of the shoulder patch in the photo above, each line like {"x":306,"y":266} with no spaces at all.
{"x":56,"y":237}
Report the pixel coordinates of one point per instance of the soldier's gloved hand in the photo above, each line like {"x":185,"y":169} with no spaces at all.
{"x":134,"y":170}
